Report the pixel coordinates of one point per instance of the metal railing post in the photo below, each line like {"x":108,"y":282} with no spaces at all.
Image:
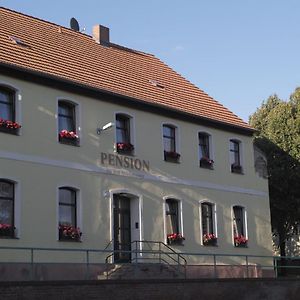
{"x":32,"y":266}
{"x":247,"y":266}
{"x":159,"y":255}
{"x":215,"y":266}
{"x":87,"y":264}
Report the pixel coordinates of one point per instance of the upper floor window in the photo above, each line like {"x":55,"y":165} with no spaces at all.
{"x":205,"y":151}
{"x":209,"y":236}
{"x":67,"y":123}
{"x":239,"y":226}
{"x":123,"y":134}
{"x":235,"y":156}
{"x":68,"y":229}
{"x":174,"y":235}
{"x":7,"y":203}
{"x":261,"y":167}
{"x":170,"y":147}
{"x":8,"y":122}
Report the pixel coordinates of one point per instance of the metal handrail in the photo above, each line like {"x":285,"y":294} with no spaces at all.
{"x":164,"y":251}
{"x":137,"y":251}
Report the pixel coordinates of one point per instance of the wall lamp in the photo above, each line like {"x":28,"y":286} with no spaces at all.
{"x":105,"y":127}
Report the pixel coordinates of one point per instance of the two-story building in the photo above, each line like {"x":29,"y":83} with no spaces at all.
{"x":102,"y":146}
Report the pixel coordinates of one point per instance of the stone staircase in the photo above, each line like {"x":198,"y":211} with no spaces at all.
{"x":142,"y":271}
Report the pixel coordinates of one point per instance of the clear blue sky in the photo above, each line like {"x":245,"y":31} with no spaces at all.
{"x":239,"y":52}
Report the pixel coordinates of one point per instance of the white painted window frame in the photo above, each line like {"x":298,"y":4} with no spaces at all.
{"x":215,"y":218}
{"x":241,"y":149}
{"x":132,"y":126}
{"x":18,"y":102}
{"x":245,"y":221}
{"x":180,"y":220}
{"x":177,"y":138}
{"x":17,"y":203}
{"x":77,"y":107}
{"x":78,"y":208}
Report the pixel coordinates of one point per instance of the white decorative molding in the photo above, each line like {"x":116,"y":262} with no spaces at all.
{"x":128,"y":173}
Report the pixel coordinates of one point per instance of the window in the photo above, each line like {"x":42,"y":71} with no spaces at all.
{"x":239,"y":227}
{"x":67,"y":123}
{"x":235,"y":156}
{"x":124,"y":141}
{"x":68,"y":215}
{"x":209,"y":237}
{"x":8,"y":122}
{"x":7,"y":199}
{"x":174,"y":236}
{"x":204,"y":151}
{"x":169,"y":139}
{"x":261,"y":167}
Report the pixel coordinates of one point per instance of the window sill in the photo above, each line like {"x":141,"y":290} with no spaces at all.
{"x":13,"y":131}
{"x":68,"y":141}
{"x":6,"y":237}
{"x":210,"y":244}
{"x":241,"y":246}
{"x":207,"y":167}
{"x":70,"y":240}
{"x":125,"y":152}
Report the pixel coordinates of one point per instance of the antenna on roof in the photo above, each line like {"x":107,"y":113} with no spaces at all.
{"x":74,"y":24}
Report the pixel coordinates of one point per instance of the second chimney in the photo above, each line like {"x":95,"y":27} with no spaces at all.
{"x":101,"y":35}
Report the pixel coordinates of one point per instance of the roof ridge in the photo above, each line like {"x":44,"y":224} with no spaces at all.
{"x":121,"y":47}
{"x":43,"y":21}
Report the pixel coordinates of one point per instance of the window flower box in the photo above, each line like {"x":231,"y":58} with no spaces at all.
{"x":209,"y":239}
{"x":69,"y":233}
{"x":171,"y":156}
{"x":7,"y":230}
{"x":206,"y":162}
{"x":175,"y":239}
{"x":68,"y":137}
{"x":235,"y":168}
{"x":9,"y":126}
{"x":240,"y":241}
{"x":124,"y":148}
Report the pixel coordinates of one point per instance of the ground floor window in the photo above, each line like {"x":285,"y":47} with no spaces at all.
{"x":68,"y":229}
{"x":209,"y":236}
{"x":7,"y":203}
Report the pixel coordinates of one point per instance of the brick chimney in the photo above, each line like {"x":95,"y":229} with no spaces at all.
{"x":101,"y":35}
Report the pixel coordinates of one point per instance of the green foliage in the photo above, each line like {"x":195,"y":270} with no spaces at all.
{"x":278,"y":135}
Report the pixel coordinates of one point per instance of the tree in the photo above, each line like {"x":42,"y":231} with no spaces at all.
{"x":278,"y":136}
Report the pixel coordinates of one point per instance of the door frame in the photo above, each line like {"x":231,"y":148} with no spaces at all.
{"x":139,"y":218}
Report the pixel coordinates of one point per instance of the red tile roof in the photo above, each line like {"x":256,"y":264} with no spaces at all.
{"x":66,"y":54}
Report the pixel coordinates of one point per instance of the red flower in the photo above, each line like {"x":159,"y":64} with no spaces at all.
{"x":68,"y":134}
{"x":240,"y":240}
{"x":125,"y":147}
{"x":69,"y":232}
{"x":207,"y":237}
{"x":175,"y":237}
{"x":9,"y":124}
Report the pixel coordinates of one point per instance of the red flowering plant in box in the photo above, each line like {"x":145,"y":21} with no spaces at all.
{"x":9,"y":124}
{"x":65,"y":134}
{"x":206,"y":162}
{"x":125,"y":147}
{"x":68,"y":232}
{"x":175,"y":238}
{"x":209,"y":239}
{"x":6,"y":230}
{"x":240,"y":241}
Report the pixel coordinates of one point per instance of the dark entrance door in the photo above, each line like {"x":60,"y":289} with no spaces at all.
{"x":122,"y":228}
